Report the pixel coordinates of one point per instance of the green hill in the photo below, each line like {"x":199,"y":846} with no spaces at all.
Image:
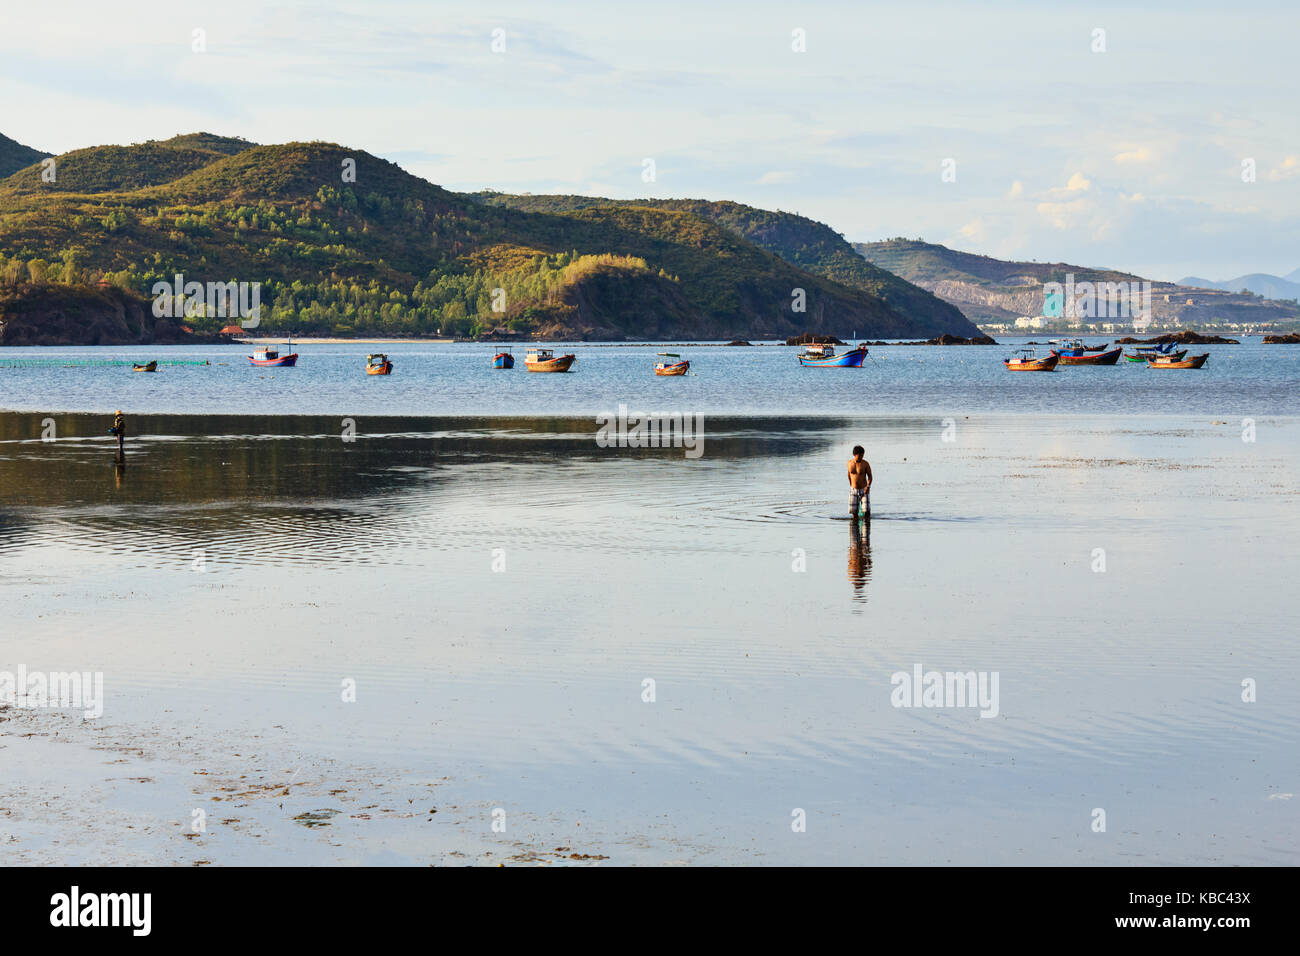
{"x":803,"y":242}
{"x":14,"y":156}
{"x":106,"y":169}
{"x":343,"y":243}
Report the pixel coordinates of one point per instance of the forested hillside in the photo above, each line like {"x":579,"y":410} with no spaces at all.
{"x":345,"y":243}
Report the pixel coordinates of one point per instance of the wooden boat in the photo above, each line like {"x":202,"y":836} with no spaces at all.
{"x":544,"y":360}
{"x":378,"y":364}
{"x":1168,"y":361}
{"x":1028,"y":361}
{"x":665,"y":367}
{"x":1082,"y":357}
{"x":146,"y":367}
{"x":270,"y":355}
{"x":822,"y":355}
{"x":503,"y":360}
{"x":1142,"y":355}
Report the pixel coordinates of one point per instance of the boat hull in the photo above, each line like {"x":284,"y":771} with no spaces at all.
{"x":147,"y":367}
{"x":1099,"y":358}
{"x":1047,"y":364}
{"x":1147,"y":356}
{"x":559,"y":364}
{"x":679,"y":369}
{"x":1196,"y":361}
{"x":284,"y":361}
{"x":503,"y":360}
{"x":850,"y":359}
{"x":385,"y":369}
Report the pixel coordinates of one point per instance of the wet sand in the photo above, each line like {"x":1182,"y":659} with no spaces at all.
{"x":499,"y":590}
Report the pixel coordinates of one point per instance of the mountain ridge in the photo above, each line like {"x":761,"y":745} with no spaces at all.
{"x":1260,"y":283}
{"x":998,"y":291}
{"x":15,"y":156}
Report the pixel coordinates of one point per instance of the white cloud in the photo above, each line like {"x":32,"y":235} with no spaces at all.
{"x":1078,"y":183}
{"x":1286,"y":169}
{"x":1140,"y":155}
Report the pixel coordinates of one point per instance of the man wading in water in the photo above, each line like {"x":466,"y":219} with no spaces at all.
{"x":119,"y":430}
{"x":859,"y":484}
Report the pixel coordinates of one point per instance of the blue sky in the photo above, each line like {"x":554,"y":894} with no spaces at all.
{"x":1129,"y":158}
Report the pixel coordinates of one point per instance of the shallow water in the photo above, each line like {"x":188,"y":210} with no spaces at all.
{"x":769,"y":624}
{"x":430,"y":379}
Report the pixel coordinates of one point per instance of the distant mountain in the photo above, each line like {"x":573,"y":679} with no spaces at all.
{"x":1293,"y":276}
{"x":343,"y":242}
{"x":1260,"y":283}
{"x":14,"y":156}
{"x":996,"y":290}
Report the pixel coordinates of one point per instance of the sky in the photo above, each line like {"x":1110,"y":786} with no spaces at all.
{"x":1016,"y":130}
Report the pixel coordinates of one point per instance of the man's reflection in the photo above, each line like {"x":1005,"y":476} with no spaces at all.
{"x":860,"y":557}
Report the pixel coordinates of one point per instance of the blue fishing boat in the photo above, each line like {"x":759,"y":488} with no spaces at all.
{"x":822,"y":355}
{"x":1076,"y":353}
{"x":503,"y":360}
{"x":1076,"y":349}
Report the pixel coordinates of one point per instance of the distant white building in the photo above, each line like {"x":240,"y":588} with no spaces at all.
{"x":1029,"y":322}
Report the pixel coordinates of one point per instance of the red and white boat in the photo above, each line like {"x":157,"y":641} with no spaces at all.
{"x":270,"y":355}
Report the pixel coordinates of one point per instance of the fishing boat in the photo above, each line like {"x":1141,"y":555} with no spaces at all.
{"x":666,"y":367}
{"x":1168,"y":361}
{"x":1028,"y":361}
{"x":146,"y":367}
{"x":378,"y":364}
{"x":1076,"y":347}
{"x":1142,"y":355}
{"x":270,"y":355}
{"x":822,"y":355}
{"x":503,"y":360}
{"x":1075,"y":353}
{"x":544,"y":360}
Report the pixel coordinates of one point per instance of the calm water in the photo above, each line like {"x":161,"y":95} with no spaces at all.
{"x":1246,"y":380}
{"x":500,"y":588}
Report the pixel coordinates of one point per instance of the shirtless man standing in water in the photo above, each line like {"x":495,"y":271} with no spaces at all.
{"x":859,"y":484}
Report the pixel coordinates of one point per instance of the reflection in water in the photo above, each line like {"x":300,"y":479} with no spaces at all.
{"x":275,"y":490}
{"x":860,"y":558}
